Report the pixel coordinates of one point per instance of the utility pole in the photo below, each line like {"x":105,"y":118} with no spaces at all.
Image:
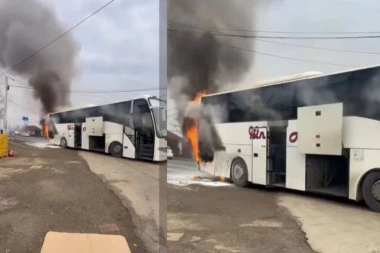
{"x":6,"y":105}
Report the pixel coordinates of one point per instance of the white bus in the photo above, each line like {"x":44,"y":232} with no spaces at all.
{"x":134,"y":129}
{"x":320,"y":134}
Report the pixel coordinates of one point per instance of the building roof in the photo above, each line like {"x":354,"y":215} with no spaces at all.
{"x":34,"y":127}
{"x":173,"y":135}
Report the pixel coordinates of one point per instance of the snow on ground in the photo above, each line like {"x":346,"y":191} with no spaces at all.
{"x":41,"y":145}
{"x":187,"y":175}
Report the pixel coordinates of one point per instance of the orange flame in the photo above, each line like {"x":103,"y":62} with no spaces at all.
{"x":192,"y":132}
{"x":46,"y":129}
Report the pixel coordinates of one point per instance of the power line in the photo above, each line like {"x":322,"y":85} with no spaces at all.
{"x":285,"y":57}
{"x":321,"y":48}
{"x":88,"y":95}
{"x":280,"y":37}
{"x":89,"y":91}
{"x":268,"y":31}
{"x":22,"y":107}
{"x":63,"y":34}
{"x":113,"y":91}
{"x":287,"y":44}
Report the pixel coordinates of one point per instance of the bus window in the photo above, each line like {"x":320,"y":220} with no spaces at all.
{"x":236,"y":107}
{"x":142,"y":117}
{"x":159,"y":118}
{"x":279,"y":102}
{"x":216,"y":107}
{"x":140,"y":106}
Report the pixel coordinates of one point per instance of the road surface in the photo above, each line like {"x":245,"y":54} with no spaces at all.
{"x":135,"y":183}
{"x":217,"y":217}
{"x":335,"y":226}
{"x":49,"y":189}
{"x":270,"y":218}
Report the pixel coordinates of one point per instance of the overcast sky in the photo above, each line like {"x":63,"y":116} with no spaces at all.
{"x":119,"y":51}
{"x":119,"y":46}
{"x":313,"y":16}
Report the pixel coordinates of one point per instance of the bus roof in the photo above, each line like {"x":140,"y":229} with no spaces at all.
{"x":91,"y":105}
{"x":292,"y":78}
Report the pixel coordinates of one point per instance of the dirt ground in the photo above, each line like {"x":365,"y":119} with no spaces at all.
{"x":45,"y":190}
{"x":136,"y":183}
{"x":334,"y":225}
{"x":230,"y":219}
{"x":218,"y":217}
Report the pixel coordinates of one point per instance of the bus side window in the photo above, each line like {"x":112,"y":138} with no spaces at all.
{"x":140,"y":107}
{"x":236,"y":107}
{"x":126,"y":107}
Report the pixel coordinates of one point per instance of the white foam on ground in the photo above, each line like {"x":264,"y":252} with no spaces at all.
{"x":41,"y":145}
{"x":185,"y":177}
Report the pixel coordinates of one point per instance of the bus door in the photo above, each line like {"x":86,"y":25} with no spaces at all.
{"x":144,"y":130}
{"x":258,"y":136}
{"x":71,"y":135}
{"x":277,"y":155}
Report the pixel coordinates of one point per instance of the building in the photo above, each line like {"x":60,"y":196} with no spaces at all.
{"x":175,"y":142}
{"x":34,"y":131}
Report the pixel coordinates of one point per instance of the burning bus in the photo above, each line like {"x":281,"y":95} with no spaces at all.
{"x":317,"y":134}
{"x":133,"y":129}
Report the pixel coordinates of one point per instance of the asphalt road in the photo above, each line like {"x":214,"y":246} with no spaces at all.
{"x":45,"y":190}
{"x":29,"y":139}
{"x":217,"y":217}
{"x":135,"y":183}
{"x":260,"y":220}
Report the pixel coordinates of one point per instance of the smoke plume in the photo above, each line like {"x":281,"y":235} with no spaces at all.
{"x":200,"y":61}
{"x":25,"y":27}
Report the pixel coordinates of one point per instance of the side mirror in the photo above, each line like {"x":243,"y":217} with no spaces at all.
{"x":163,"y":114}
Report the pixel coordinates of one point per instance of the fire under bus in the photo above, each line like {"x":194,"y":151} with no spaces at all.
{"x":133,"y":129}
{"x":313,"y":133}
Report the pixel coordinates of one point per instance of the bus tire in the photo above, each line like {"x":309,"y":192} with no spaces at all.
{"x":116,"y":149}
{"x":239,"y":173}
{"x":371,"y":190}
{"x":63,"y":142}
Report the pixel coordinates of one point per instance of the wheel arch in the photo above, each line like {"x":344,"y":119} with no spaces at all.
{"x":63,"y":138}
{"x":236,"y":158}
{"x":359,"y":195}
{"x":112,"y":143}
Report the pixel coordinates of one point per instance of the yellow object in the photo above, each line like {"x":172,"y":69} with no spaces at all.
{"x":3,"y":145}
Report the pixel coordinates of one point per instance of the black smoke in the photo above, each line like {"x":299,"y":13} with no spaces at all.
{"x":201,"y":61}
{"x":25,"y":27}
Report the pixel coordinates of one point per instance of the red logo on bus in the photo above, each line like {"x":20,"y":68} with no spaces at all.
{"x":293,"y":137}
{"x":84,"y":129}
{"x":255,"y":133}
{"x":70,"y":127}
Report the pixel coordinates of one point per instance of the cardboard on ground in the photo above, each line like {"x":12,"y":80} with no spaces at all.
{"x":56,"y":242}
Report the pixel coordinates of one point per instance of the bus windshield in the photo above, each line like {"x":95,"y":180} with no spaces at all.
{"x":159,"y":119}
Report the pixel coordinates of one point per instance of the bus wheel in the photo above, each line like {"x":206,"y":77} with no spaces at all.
{"x":116,"y":149}
{"x":239,"y":173}
{"x":371,"y":190}
{"x":63,"y":142}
